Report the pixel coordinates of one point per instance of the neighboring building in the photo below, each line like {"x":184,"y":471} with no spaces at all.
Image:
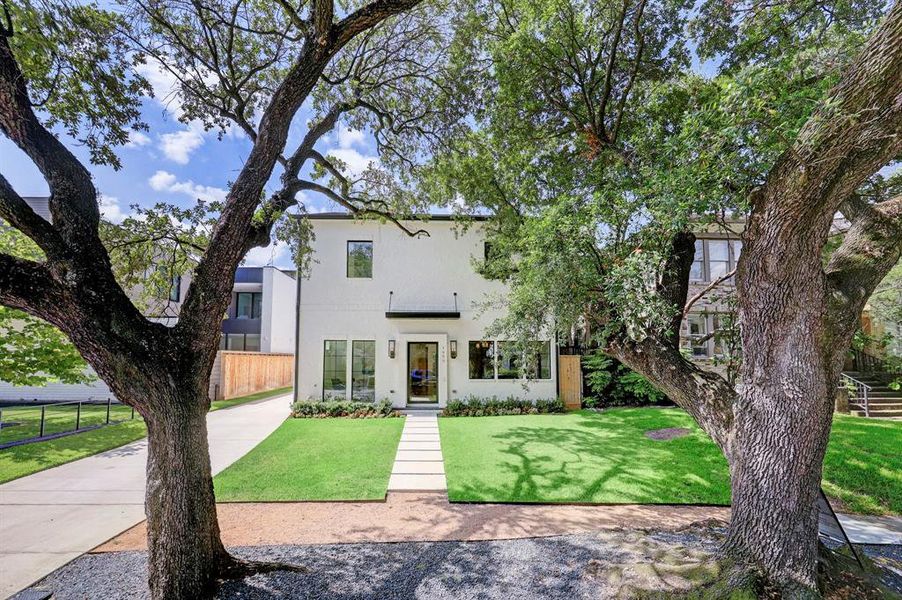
{"x":261,"y":318}
{"x":261,"y":315}
{"x":708,"y":333}
{"x":385,"y":315}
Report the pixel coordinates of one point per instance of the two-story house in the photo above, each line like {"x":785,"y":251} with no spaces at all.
{"x":386,"y":315}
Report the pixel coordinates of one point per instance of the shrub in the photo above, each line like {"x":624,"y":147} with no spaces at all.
{"x":317,"y":409}
{"x":614,"y":384}
{"x":474,"y":406}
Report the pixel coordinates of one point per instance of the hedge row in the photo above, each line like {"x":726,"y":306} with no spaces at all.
{"x":473,"y":406}
{"x":315,"y":409}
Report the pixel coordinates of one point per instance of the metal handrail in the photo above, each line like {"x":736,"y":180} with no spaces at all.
{"x":862,"y":390}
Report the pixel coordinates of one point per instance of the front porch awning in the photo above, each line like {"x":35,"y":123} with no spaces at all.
{"x":412,"y":311}
{"x":422,"y":314}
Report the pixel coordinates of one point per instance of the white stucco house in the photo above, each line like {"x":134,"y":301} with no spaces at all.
{"x":385,"y":315}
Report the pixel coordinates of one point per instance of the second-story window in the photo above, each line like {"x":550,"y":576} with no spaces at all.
{"x":248,"y":305}
{"x":714,"y":259}
{"x":175,"y":290}
{"x":360,"y":259}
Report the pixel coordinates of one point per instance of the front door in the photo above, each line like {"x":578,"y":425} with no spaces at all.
{"x":422,"y":372}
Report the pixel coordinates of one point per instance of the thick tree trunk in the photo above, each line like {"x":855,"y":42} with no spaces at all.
{"x":783,"y":413}
{"x":186,"y":554}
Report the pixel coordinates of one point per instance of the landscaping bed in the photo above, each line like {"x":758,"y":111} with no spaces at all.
{"x":319,"y":409}
{"x":608,"y":457}
{"x":316,"y":459}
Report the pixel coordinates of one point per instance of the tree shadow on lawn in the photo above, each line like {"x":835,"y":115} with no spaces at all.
{"x":601,"y":458}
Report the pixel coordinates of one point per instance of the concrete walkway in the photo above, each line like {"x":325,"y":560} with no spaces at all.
{"x":418,"y":464}
{"x":864,"y":529}
{"x":51,"y":517}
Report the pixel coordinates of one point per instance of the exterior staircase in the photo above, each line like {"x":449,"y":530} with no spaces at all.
{"x":872,"y":396}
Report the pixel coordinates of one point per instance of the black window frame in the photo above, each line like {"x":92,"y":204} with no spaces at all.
{"x":253,"y":304}
{"x":348,"y":259}
{"x":345,"y":374}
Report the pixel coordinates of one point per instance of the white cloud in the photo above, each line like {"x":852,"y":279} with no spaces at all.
{"x":356,"y":162}
{"x":136,"y":139}
{"x":110,"y":209}
{"x":163,"y":181}
{"x":349,"y":137}
{"x":178,"y":146}
{"x":272,"y":254}
{"x":164,"y":85}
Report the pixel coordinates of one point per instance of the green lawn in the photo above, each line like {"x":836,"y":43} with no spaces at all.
{"x":26,"y":459}
{"x":220,"y":404}
{"x":863,"y":466}
{"x":26,"y":420}
{"x":316,"y":459}
{"x":606,"y":458}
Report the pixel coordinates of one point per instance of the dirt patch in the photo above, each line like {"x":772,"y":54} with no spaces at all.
{"x":669,"y":433}
{"x":414,"y":517}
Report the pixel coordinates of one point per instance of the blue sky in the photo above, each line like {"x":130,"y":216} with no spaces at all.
{"x":177,"y":163}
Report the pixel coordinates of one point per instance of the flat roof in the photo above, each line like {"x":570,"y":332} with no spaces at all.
{"x":339,"y":216}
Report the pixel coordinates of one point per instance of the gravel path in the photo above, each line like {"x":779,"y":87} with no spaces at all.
{"x":602,"y":565}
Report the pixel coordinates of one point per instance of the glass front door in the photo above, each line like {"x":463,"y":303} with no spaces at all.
{"x":422,"y":372}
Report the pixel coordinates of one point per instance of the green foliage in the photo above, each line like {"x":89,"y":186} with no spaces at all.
{"x":80,"y":70}
{"x":34,"y":352}
{"x":613,"y":384}
{"x":314,"y":409}
{"x":474,"y":406}
{"x":154,"y":246}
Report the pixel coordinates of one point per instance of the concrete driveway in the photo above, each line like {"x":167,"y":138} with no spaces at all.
{"x":49,"y":518}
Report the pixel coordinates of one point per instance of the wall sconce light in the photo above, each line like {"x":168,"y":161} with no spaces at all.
{"x":391,"y":348}
{"x":453,"y":348}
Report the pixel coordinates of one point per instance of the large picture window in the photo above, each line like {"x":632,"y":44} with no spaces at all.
{"x":335,"y":369}
{"x":360,"y":259}
{"x":363,"y":370}
{"x":248,"y":305}
{"x":510,"y":360}
{"x":482,"y":359}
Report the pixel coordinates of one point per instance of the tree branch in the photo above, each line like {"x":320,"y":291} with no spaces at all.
{"x":871,"y":248}
{"x":15,"y":211}
{"x":705,"y":291}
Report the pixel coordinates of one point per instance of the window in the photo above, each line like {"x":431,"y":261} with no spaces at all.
{"x":509,"y":361}
{"x":697,"y":273}
{"x":235,"y":341}
{"x":363,"y":371}
{"x":540,"y":368}
{"x":360,"y":259}
{"x":718,"y":259}
{"x":252,"y":342}
{"x":714,"y":259}
{"x":335,"y":362}
{"x":698,"y":332}
{"x":175,"y":290}
{"x":482,"y":360}
{"x":248,"y":305}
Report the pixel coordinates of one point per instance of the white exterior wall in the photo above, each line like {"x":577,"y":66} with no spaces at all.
{"x":55,"y":392}
{"x":279,"y":306}
{"x":423,"y":273}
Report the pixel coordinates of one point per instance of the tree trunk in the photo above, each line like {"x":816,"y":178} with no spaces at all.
{"x":186,"y":555}
{"x":783,"y":413}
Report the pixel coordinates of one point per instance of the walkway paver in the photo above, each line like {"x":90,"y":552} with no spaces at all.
{"x":51,"y":517}
{"x":419,"y":465}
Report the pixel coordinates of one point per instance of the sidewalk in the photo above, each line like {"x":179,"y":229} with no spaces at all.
{"x":419,"y":465}
{"x":52,"y":517}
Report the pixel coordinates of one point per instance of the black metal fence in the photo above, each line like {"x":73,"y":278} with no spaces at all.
{"x":30,"y":423}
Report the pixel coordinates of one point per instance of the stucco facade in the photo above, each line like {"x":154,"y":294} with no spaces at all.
{"x":408,"y":302}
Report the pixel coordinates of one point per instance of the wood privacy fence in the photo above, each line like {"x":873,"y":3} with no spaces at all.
{"x":240,"y":373}
{"x":571,"y":380}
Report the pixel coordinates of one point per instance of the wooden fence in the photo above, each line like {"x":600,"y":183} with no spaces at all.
{"x":241,"y":373}
{"x":571,"y":380}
